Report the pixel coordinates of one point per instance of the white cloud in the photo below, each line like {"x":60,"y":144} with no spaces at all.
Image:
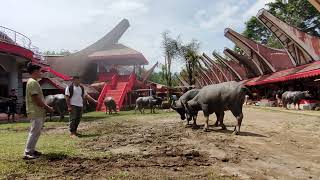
{"x":228,"y":13}
{"x":126,"y":7}
{"x":252,"y":11}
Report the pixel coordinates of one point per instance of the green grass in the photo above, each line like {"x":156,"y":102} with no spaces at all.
{"x":12,"y":142}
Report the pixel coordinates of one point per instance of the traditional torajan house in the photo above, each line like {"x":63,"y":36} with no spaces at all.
{"x":15,"y":51}
{"x":107,"y":61}
{"x":101,"y":60}
{"x":297,"y":66}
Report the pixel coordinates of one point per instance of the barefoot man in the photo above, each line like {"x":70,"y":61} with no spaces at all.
{"x":36,"y":110}
{"x":75,"y":95}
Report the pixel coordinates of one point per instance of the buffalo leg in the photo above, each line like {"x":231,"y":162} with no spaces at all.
{"x":220,"y":119}
{"x":194,"y":125}
{"x":187,"y":123}
{"x":239,"y":121}
{"x":135,"y":109}
{"x":206,"y":125}
{"x":206,"y":115}
{"x":285,"y":105}
{"x":237,"y":112}
{"x":216,"y":124}
{"x":60,"y":112}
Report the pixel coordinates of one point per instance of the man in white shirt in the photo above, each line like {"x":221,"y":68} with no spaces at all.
{"x":75,"y":96}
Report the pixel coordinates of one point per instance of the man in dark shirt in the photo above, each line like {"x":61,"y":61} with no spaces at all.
{"x":12,"y":104}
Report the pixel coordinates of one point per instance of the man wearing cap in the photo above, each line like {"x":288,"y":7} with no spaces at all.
{"x":75,"y":95}
{"x":36,"y":110}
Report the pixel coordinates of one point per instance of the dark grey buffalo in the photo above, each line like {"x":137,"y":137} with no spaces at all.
{"x":294,"y":97}
{"x":218,"y":98}
{"x":59,"y":104}
{"x":180,"y":106}
{"x":148,"y":101}
{"x":110,"y":104}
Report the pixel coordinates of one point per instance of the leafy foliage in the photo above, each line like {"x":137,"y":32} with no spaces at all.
{"x":297,"y":13}
{"x":189,"y":53}
{"x":157,"y":77}
{"x":171,"y":51}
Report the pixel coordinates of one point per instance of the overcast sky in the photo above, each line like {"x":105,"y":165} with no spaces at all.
{"x":75,"y":24}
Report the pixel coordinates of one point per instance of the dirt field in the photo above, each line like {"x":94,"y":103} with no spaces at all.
{"x":272,"y":145}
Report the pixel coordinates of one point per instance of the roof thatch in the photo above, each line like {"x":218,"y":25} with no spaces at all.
{"x":106,"y":48}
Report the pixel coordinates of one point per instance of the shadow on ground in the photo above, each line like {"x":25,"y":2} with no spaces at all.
{"x":213,"y":128}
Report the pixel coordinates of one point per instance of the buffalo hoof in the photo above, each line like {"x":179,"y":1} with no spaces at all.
{"x":194,"y":126}
{"x":235,"y":133}
{"x":216,"y":125}
{"x":205,"y":129}
{"x":223,"y":127}
{"x":187,"y":125}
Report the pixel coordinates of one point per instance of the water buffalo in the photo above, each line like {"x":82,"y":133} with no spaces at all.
{"x":180,"y":106}
{"x":158,"y":102}
{"x":59,"y":104}
{"x":294,"y":97}
{"x":110,"y":105}
{"x":218,"y":98}
{"x":148,"y":101}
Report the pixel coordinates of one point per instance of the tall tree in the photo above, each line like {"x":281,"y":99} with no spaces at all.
{"x":298,"y":13}
{"x":189,"y":53}
{"x":171,"y":51}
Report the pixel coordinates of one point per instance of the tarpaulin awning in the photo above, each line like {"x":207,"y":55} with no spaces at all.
{"x":304,"y":71}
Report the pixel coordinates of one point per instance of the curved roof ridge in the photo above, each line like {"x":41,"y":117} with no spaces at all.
{"x":301,"y":47}
{"x":271,"y":59}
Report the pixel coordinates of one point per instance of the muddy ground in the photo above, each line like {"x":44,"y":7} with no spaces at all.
{"x":272,"y":145}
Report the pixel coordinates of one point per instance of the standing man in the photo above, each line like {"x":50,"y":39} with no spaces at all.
{"x":12,"y":104}
{"x":36,"y":110}
{"x":76,"y":96}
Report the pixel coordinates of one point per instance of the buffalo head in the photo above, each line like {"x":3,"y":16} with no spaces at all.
{"x":307,"y":94}
{"x":179,"y":109}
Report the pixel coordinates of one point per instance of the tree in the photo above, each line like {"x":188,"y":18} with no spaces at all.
{"x":157,"y":77}
{"x":298,"y":13}
{"x":189,"y":53}
{"x":171,"y":51}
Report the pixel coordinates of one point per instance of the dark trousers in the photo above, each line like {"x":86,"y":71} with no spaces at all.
{"x":75,"y":117}
{"x":12,"y":111}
